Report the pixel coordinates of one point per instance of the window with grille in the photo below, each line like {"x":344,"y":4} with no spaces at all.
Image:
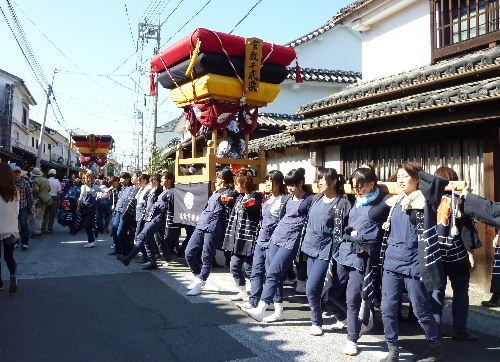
{"x":459,"y":25}
{"x":465,"y":156}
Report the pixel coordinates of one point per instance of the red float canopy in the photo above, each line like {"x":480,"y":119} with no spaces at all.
{"x":213,"y":41}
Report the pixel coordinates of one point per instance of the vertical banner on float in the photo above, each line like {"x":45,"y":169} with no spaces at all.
{"x":253,"y":61}
{"x":189,"y":202}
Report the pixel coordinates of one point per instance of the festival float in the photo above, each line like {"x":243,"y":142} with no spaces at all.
{"x":220,"y":81}
{"x":93,"y":149}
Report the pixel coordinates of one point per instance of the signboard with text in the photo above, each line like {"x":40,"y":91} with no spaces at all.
{"x":253,"y":63}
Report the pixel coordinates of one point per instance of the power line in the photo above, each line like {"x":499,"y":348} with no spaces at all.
{"x":173,"y":11}
{"x":187,"y":22}
{"x":246,"y":15}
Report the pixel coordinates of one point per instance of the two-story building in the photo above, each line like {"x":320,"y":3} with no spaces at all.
{"x":430,"y":93}
{"x":15,"y":103}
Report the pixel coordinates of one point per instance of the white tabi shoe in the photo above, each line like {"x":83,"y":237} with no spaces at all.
{"x":193,"y":284}
{"x":242,"y":295}
{"x":245,"y":305}
{"x":196,"y":290}
{"x":277,"y":316}
{"x":315,"y":330}
{"x":339,"y":325}
{"x":257,"y":313}
{"x":350,"y":348}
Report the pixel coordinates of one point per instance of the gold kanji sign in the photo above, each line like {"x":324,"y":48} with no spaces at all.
{"x":253,"y":61}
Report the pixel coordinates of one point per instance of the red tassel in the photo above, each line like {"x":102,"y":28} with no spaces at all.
{"x":298,"y":72}
{"x":152,"y":85}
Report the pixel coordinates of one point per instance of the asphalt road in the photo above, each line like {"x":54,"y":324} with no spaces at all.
{"x":79,"y":304}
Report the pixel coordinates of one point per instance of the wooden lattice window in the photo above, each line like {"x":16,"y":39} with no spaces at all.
{"x":459,"y":25}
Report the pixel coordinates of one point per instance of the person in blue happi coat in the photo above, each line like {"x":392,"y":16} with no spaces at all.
{"x":154,"y":222}
{"x":118,"y":227}
{"x":271,"y":207}
{"x":210,"y":231}
{"x":357,"y":256}
{"x":328,"y":214}
{"x":283,"y":246}
{"x":411,"y":257}
{"x":242,"y":231}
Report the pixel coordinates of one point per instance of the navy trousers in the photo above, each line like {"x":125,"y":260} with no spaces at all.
{"x":302,"y":267}
{"x":241,"y":268}
{"x":316,"y":271}
{"x":146,"y":236}
{"x":349,"y":288}
{"x":114,"y":227}
{"x":24,"y":228}
{"x":260,"y":264}
{"x":123,"y":237}
{"x":393,"y":285}
{"x":88,"y":222}
{"x":459,"y":275}
{"x":200,"y":251}
{"x":280,"y":260}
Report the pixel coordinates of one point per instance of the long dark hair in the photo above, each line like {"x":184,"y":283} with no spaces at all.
{"x":331,"y":175}
{"x":8,"y":189}
{"x":277,"y":178}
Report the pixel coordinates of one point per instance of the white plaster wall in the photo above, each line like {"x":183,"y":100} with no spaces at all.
{"x":290,"y":159}
{"x":332,"y":158}
{"x":398,"y":43}
{"x":338,"y":49}
{"x":293,"y":95}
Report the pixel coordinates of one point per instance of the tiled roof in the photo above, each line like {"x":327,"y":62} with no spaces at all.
{"x":326,"y":75}
{"x":459,"y":94}
{"x":414,"y":78}
{"x":278,"y":120}
{"x":280,"y":140}
{"x":346,"y":10}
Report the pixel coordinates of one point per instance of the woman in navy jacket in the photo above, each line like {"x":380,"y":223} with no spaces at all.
{"x":270,"y":217}
{"x":283,"y":246}
{"x":411,"y":256}
{"x":242,"y":230}
{"x":357,"y":255}
{"x":209,"y":231}
{"x":328,"y":211}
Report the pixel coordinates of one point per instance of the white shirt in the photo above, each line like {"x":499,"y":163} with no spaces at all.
{"x":55,"y":186}
{"x":8,"y":217}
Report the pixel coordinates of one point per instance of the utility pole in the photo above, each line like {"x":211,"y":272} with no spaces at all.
{"x":69,"y":152}
{"x":150,"y":31}
{"x":42,"y":129}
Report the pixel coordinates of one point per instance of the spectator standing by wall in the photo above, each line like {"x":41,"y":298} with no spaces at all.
{"x":26,"y":206}
{"x":51,"y":210}
{"x":41,"y":189}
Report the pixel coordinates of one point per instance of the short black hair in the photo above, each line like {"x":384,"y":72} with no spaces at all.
{"x":363,"y":175}
{"x":331,"y":175}
{"x":295,"y":176}
{"x":227,"y":175}
{"x":125,"y":175}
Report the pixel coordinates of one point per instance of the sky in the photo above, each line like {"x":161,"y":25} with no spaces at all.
{"x":91,"y":46}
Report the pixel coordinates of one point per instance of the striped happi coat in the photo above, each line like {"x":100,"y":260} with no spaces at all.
{"x":243,"y":226}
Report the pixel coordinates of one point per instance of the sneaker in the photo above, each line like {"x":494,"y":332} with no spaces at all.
{"x":350,"y":348}
{"x":123,"y":259}
{"x":339,"y":324}
{"x":315,"y":330}
{"x":193,"y":284}
{"x":196,"y":290}
{"x":24,"y":247}
{"x":89,"y":245}
{"x":301,"y":286}
{"x":13,"y":285}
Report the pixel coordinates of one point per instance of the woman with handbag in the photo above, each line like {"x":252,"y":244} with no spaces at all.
{"x":9,"y":232}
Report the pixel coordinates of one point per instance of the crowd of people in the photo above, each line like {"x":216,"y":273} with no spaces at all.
{"x":355,"y":253}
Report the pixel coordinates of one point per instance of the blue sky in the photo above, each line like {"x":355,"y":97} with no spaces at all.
{"x":96,"y":37}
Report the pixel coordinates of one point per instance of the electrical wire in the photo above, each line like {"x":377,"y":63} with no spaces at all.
{"x":246,"y":15}
{"x":186,"y":23}
{"x":173,"y":11}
